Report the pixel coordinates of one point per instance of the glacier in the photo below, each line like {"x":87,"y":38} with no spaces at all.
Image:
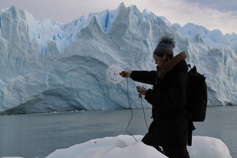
{"x":47,"y":66}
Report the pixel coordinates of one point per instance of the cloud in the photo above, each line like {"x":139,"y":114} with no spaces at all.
{"x":182,"y":12}
{"x":61,"y":10}
{"x":203,"y":12}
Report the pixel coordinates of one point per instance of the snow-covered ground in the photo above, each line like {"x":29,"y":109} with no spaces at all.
{"x":124,"y":146}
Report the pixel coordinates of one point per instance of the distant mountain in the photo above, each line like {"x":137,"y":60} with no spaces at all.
{"x":47,"y":66}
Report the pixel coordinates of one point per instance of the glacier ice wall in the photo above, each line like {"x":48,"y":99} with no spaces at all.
{"x":47,"y":66}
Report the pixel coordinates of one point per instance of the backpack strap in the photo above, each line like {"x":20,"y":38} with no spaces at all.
{"x":191,"y":127}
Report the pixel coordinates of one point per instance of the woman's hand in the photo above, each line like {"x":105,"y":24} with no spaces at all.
{"x":125,"y":74}
{"x":141,"y":90}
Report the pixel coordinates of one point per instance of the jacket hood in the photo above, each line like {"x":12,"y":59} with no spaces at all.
{"x":176,"y":63}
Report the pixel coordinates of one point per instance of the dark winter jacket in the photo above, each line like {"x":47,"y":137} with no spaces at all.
{"x":168,"y":98}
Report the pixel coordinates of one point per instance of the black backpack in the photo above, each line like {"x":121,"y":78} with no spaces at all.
{"x":197,"y":103}
{"x":198,"y":95}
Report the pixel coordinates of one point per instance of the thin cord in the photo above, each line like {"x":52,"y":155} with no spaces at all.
{"x":144,"y":114}
{"x":131,"y":114}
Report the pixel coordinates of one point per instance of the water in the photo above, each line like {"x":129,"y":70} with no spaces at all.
{"x":32,"y":136}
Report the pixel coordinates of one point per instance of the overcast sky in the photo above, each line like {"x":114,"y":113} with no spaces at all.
{"x":212,"y":14}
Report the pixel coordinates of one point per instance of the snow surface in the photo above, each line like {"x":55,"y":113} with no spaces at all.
{"x":47,"y":66}
{"x":124,"y":146}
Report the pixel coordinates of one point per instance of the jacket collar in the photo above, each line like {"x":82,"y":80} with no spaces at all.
{"x":166,"y":67}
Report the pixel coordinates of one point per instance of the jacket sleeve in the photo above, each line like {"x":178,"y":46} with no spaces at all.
{"x":173,"y":98}
{"x":148,"y":77}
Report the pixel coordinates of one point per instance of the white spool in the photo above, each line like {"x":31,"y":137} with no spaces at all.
{"x":112,"y":74}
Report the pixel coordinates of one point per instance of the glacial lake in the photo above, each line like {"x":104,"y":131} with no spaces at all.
{"x":38,"y":135}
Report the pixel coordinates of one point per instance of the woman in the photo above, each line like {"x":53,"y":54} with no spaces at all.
{"x":168,"y":132}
